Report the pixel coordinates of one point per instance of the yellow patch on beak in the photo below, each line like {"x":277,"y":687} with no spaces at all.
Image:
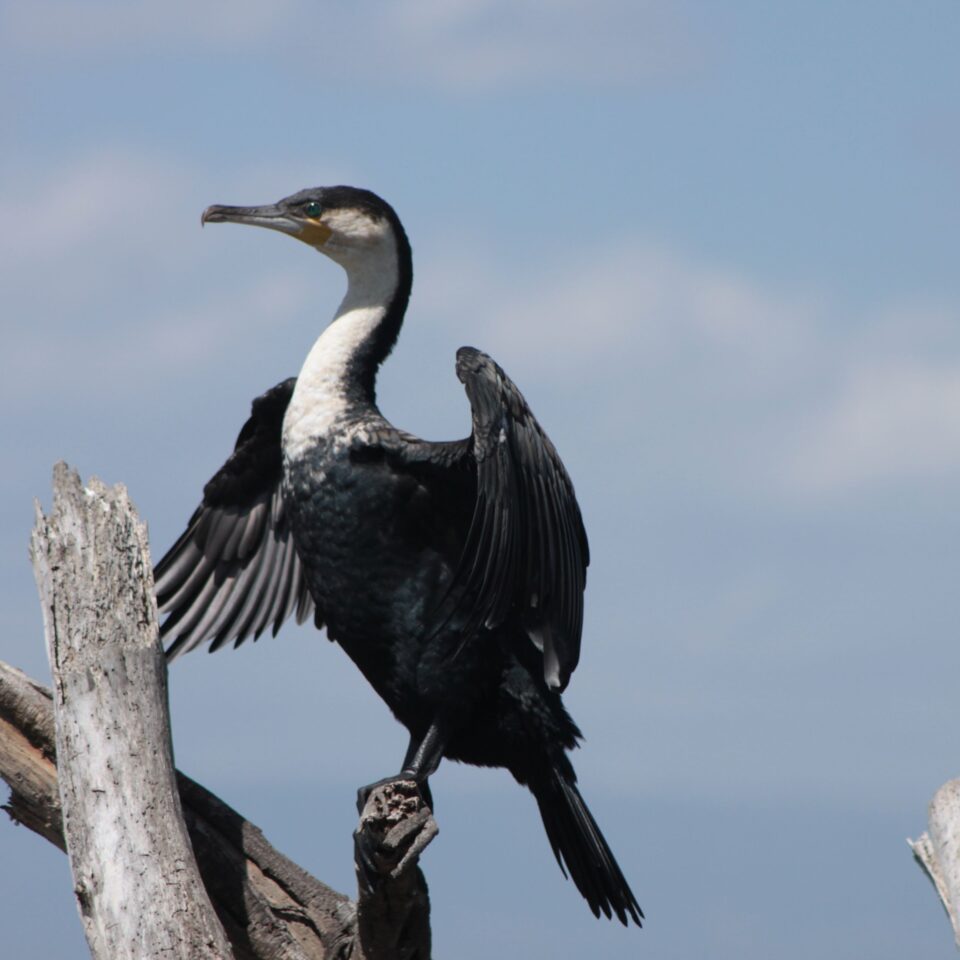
{"x":314,"y":232}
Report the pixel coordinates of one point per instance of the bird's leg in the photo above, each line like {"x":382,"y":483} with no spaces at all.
{"x":422,"y":759}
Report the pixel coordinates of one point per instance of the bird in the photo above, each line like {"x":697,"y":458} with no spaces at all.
{"x":452,"y":573}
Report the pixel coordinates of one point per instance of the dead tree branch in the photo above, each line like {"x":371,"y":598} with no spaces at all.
{"x":938,"y":850}
{"x":268,"y":906}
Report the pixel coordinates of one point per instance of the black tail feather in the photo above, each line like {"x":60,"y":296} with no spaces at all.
{"x":582,"y":851}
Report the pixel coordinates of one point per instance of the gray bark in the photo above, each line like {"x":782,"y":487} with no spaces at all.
{"x":28,"y":754}
{"x":269,"y":907}
{"x":938,"y":850}
{"x":135,"y":877}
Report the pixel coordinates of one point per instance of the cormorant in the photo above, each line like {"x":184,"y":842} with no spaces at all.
{"x":451,"y":573}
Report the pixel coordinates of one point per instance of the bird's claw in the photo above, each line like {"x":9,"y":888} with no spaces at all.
{"x":395,"y":828}
{"x":363,"y":794}
{"x":368,"y":873}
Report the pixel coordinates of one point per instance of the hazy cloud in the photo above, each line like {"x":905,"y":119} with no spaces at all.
{"x":119,"y":26}
{"x":67,"y":210}
{"x":159,"y":340}
{"x":469,"y":44}
{"x":888,"y":421}
{"x":789,"y":394}
{"x":770,"y":390}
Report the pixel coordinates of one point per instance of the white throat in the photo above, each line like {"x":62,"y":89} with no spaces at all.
{"x":325,"y":398}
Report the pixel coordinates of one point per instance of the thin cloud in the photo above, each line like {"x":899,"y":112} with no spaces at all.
{"x":768,"y":393}
{"x":485,"y":44}
{"x":631,"y":306}
{"x":65,"y":211}
{"x":119,"y":26}
{"x":765,"y":391}
{"x":888,"y":422}
{"x":163,"y":341}
{"x":474,"y":45}
{"x":86,"y":277}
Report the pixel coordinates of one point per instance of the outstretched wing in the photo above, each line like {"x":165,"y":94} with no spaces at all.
{"x":235,"y":570}
{"x":527,"y":549}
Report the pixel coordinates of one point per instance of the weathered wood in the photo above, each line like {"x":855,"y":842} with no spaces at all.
{"x":938,"y":850}
{"x":135,"y":878}
{"x":270,"y":908}
{"x":27,"y":754}
{"x":393,"y":909}
{"x":258,"y":893}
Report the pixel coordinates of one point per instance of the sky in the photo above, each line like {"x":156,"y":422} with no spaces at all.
{"x":716,"y":247}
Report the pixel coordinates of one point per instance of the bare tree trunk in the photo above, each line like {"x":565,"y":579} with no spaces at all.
{"x":135,"y":877}
{"x":938,"y":850}
{"x":270,"y":908}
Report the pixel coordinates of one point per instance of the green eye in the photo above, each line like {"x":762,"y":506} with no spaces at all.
{"x":312,"y":209}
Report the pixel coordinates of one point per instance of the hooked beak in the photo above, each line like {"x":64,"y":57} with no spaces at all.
{"x":273,"y":217}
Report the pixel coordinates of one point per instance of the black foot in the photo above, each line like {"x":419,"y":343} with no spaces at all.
{"x":365,"y":849}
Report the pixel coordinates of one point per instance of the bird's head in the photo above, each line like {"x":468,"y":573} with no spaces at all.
{"x":345,"y":223}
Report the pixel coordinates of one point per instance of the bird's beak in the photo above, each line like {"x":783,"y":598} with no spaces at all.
{"x":273,"y":217}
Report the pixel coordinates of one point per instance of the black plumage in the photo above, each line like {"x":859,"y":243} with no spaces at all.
{"x":452,"y":573}
{"x":235,"y":569}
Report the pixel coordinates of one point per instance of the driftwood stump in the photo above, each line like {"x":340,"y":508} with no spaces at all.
{"x":162,"y":868}
{"x":135,"y":877}
{"x":938,"y":850}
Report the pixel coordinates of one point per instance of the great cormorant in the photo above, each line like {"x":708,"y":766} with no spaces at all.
{"x":451,"y":573}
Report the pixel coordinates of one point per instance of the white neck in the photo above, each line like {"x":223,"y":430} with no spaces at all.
{"x":327,"y":394}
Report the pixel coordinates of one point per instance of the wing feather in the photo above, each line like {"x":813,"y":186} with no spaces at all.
{"x":526,"y":550}
{"x":235,"y":570}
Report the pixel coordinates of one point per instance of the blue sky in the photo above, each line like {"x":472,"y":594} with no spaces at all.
{"x":716,"y":246}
